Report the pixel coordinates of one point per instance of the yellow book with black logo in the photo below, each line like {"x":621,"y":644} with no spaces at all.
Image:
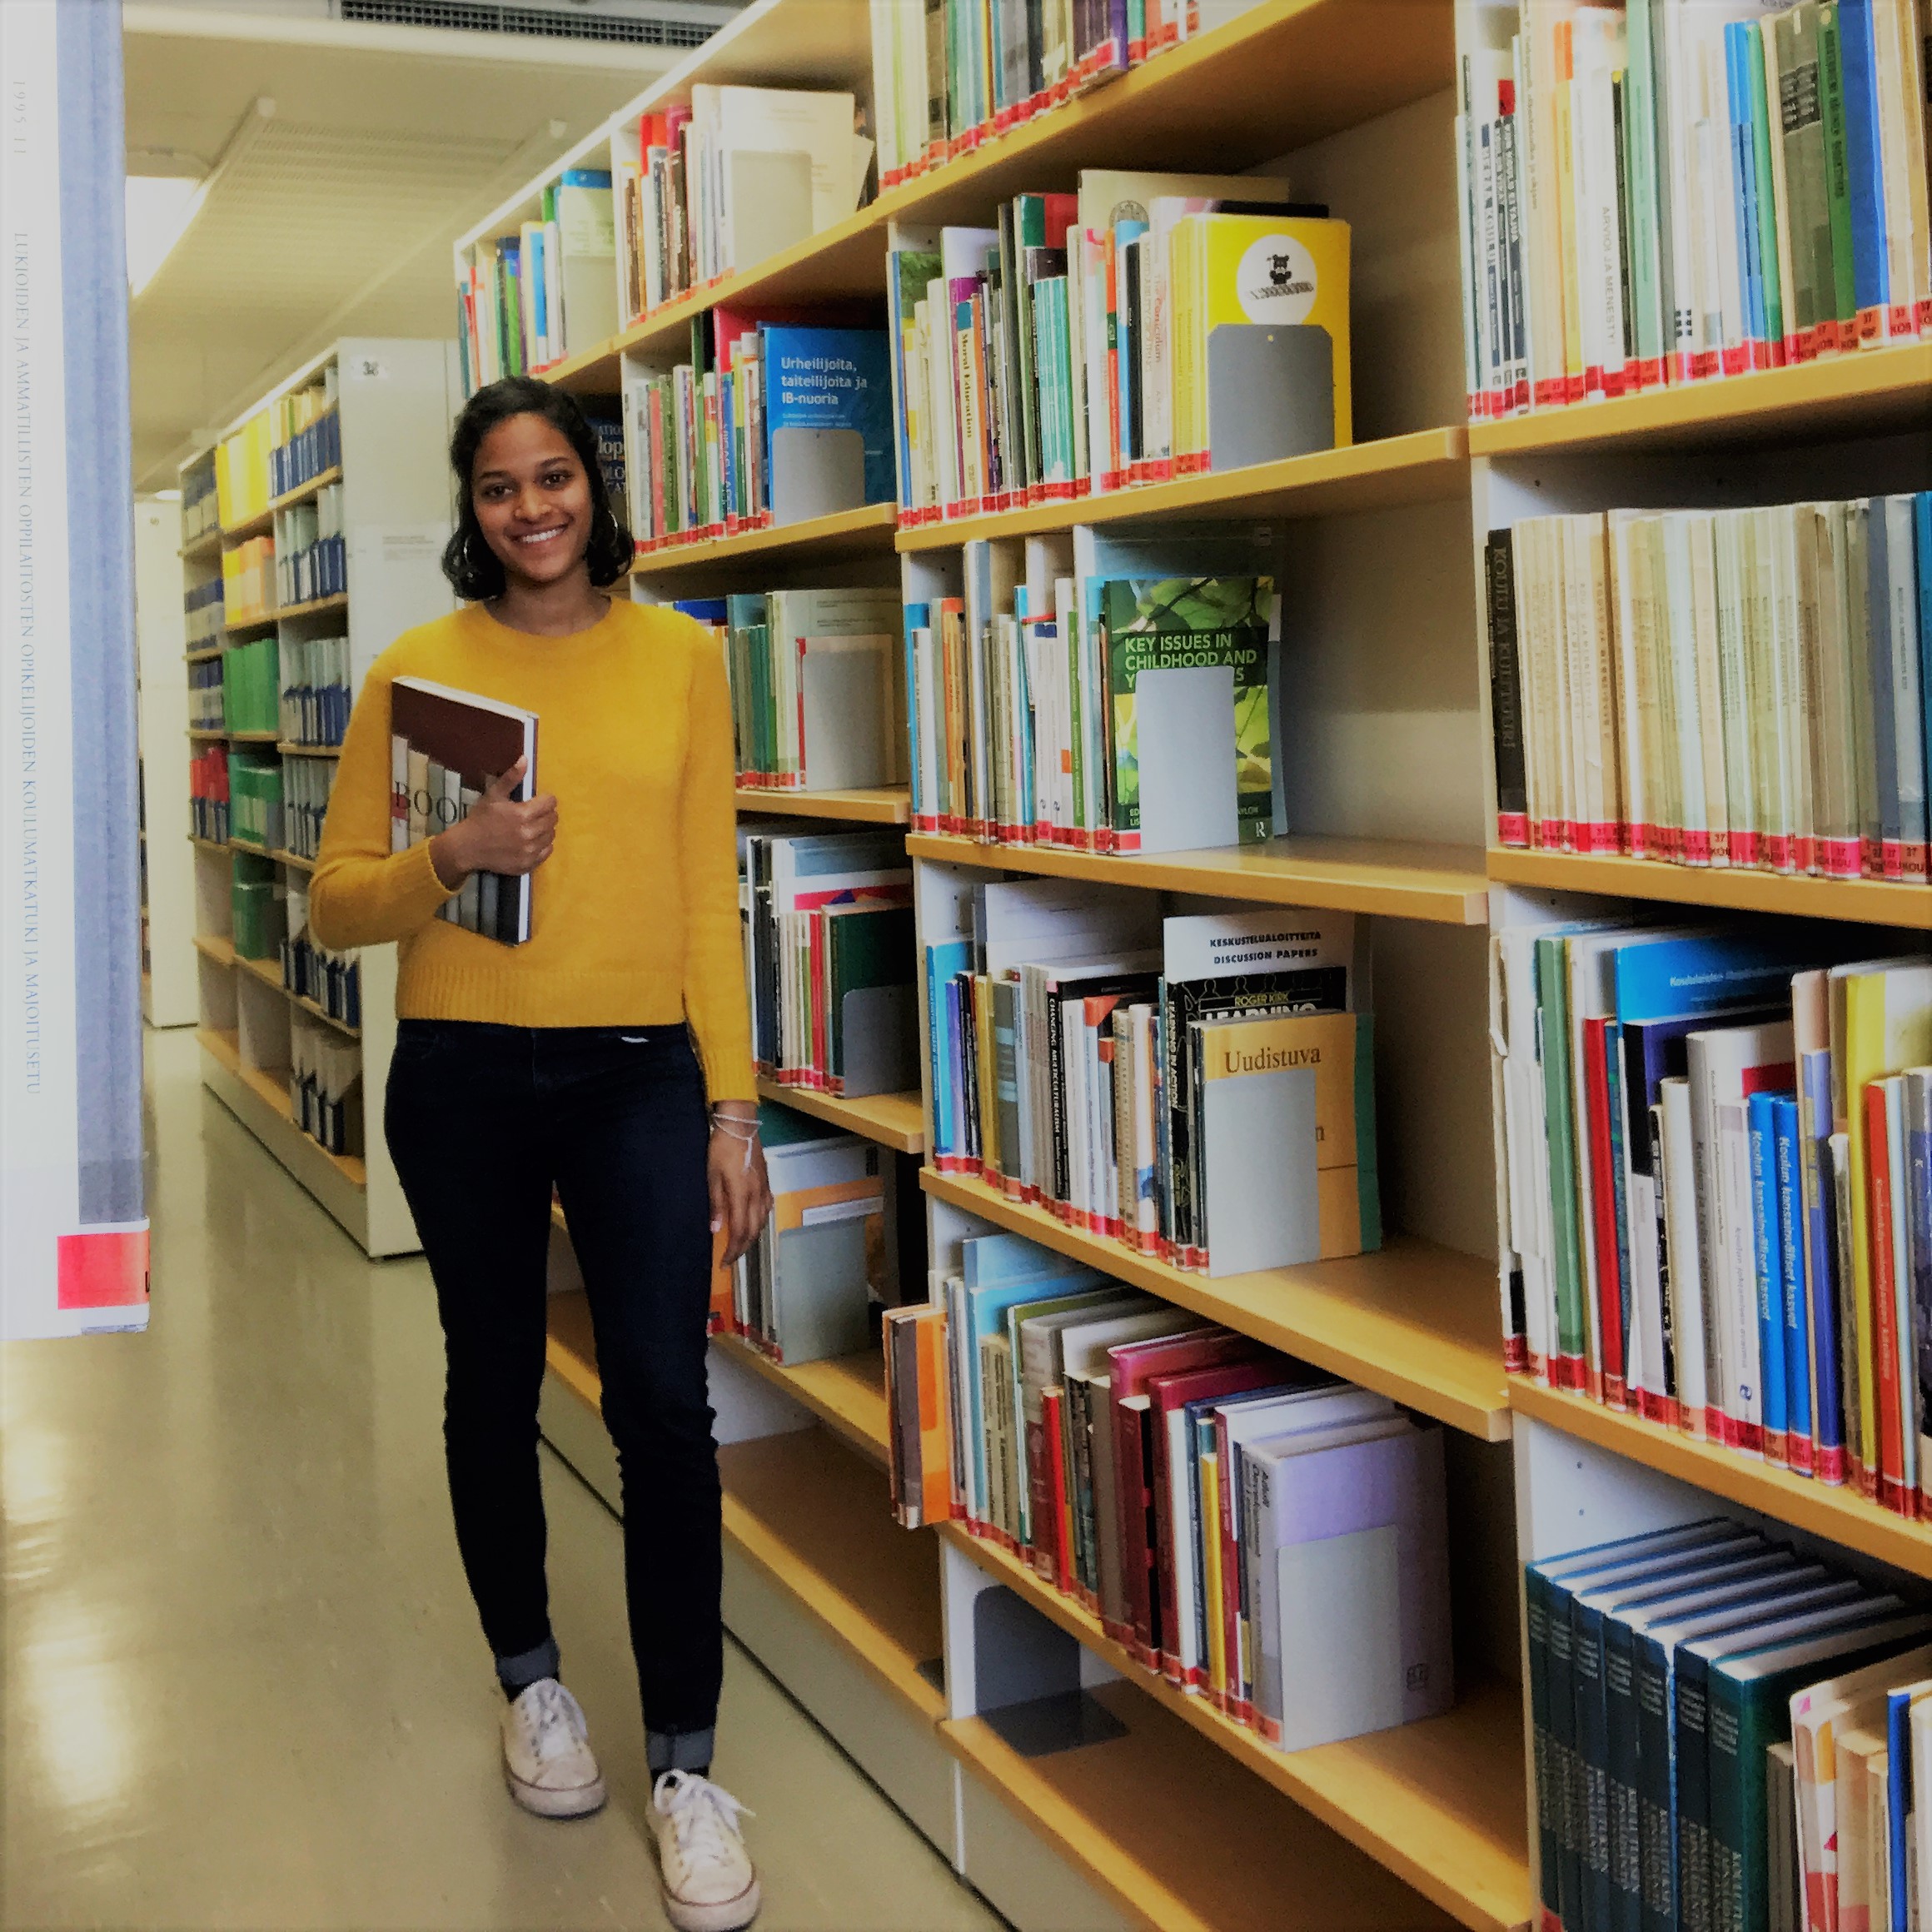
{"x":1273,"y":270}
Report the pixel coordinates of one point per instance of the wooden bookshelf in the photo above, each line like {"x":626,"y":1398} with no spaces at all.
{"x":262,"y":620}
{"x":867,"y":531}
{"x":811,"y":1516}
{"x":303,"y":491}
{"x":273,"y":1093}
{"x":215,"y":946}
{"x":1442,"y":1804}
{"x":248,"y":845}
{"x":207,"y":546}
{"x":880,"y":805}
{"x":1426,"y":466}
{"x":894,"y":1120}
{"x":315,"y":606}
{"x":1441,"y":884}
{"x":1181,"y":1837}
{"x":1869,"y":900}
{"x":1283,"y":73}
{"x":1840,"y":1515}
{"x":288,"y":748}
{"x":846,"y":1394}
{"x":282,"y":856}
{"x":315,"y":1010}
{"x":1869,"y":393}
{"x":207,"y":844}
{"x":202,"y":735}
{"x":250,"y":737}
{"x":267,"y":971}
{"x":213,"y":650}
{"x":1416,"y":1322}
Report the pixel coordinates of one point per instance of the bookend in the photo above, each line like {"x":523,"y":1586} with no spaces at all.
{"x":1028,"y":1677}
{"x":881,"y":1041}
{"x":1271,"y":393}
{"x":816,"y":473}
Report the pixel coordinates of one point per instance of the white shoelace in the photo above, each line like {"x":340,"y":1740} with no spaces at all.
{"x":704,"y":1816}
{"x":549,"y":1711}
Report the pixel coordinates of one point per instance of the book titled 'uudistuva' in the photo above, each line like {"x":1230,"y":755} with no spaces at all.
{"x":446,"y":748}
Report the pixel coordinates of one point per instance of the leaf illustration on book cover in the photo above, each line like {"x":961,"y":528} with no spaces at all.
{"x":1180,"y":623}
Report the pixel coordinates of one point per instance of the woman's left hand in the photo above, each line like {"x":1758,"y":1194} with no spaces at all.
{"x":741,"y":1193}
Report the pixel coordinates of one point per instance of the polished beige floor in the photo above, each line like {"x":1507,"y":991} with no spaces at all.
{"x":243,"y":1685}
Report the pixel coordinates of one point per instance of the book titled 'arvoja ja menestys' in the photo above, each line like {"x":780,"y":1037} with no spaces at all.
{"x":446,"y":747}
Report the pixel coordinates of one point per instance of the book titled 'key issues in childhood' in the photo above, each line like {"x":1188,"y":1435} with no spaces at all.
{"x":446,"y":748}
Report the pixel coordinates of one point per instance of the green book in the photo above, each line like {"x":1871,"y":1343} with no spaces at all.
{"x":1553,"y":998}
{"x":1840,"y":312}
{"x":1642,"y":222}
{"x":1187,"y":624}
{"x":865,"y":946}
{"x":1767,"y":200}
{"x":1801,"y":127}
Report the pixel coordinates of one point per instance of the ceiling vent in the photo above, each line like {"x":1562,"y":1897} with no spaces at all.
{"x":632,"y":26}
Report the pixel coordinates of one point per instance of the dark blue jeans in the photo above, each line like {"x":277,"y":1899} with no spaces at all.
{"x":481,"y":1121}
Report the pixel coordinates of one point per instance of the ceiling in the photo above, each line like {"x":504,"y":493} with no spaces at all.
{"x":335,"y":214}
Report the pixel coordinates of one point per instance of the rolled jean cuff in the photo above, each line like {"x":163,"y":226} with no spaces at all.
{"x":680,"y":1751}
{"x":517,"y":1674}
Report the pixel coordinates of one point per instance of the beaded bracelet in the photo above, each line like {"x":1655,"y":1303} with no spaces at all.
{"x":739,"y":1130}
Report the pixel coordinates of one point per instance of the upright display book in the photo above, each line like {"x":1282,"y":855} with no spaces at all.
{"x":446,"y":748}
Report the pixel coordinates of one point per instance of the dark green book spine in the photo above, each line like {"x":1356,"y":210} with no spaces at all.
{"x":1564,"y":1764}
{"x":1837,"y":304}
{"x":1693,"y":1796}
{"x":1620,"y":1741}
{"x":1553,"y":999}
{"x":1592,"y":1760}
{"x":1536,"y":1618}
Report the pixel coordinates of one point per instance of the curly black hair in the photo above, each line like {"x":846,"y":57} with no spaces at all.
{"x":474,"y":570}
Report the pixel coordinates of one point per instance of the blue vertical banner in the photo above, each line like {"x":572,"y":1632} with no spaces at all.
{"x":73,"y":1228}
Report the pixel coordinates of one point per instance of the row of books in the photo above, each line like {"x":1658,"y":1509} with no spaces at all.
{"x":712,"y":187}
{"x":1744,"y":688}
{"x":205,"y":712}
{"x":242,"y":484}
{"x":1665,"y":193}
{"x":250,"y":686}
{"x":201,"y":615}
{"x":1720,"y":1204}
{"x":528,"y":300}
{"x":1257,"y":1532}
{"x":332,"y":980}
{"x":208,"y":794}
{"x":248,"y":581}
{"x":311,"y":556}
{"x":948,"y":77}
{"x":807,"y":1289}
{"x":255,"y":815}
{"x":200,"y":511}
{"x":1114,"y":700}
{"x":305,"y":432}
{"x":1092,"y":341}
{"x":1200,"y":1088}
{"x":305,"y":785}
{"x":1726,"y":1735}
{"x":829,"y":942}
{"x":315,"y":694}
{"x":816,"y":694}
{"x":325,"y":1085}
{"x":767,"y":422}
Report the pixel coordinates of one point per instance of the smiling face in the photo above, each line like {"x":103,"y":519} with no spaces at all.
{"x":532,"y":500}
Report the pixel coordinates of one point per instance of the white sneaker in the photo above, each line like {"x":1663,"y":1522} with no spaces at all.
{"x":547,"y":1753}
{"x":708,"y":1883}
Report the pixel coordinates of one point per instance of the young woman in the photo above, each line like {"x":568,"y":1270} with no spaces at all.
{"x":610,"y":1053}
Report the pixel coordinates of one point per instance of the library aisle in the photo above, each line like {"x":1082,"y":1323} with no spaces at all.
{"x":242,"y":1683}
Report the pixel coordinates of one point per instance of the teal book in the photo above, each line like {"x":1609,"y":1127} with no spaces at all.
{"x":1569,"y":1370}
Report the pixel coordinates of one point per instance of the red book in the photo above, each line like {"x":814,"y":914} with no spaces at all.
{"x":1173,"y":1485}
{"x":1134,"y":1366}
{"x":1891,"y":1483}
{"x":1603,"y":1211}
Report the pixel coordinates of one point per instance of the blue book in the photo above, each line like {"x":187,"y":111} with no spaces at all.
{"x":539,"y":250}
{"x":1899,"y":1791}
{"x":584,"y":177}
{"x":832,"y":379}
{"x":1744,"y":175}
{"x":1786,"y":1161}
{"x":1769,"y":1253}
{"x":943,"y":961}
{"x":706,"y":609}
{"x":1705,"y":972}
{"x":1127,"y":361}
{"x":1864,"y":158}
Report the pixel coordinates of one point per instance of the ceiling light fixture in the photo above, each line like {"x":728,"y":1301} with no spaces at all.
{"x":162,"y":208}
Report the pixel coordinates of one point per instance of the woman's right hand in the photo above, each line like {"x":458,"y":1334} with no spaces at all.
{"x":500,"y":834}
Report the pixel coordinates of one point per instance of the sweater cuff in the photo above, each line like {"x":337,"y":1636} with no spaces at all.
{"x":727,"y":1076}
{"x":422,"y":886}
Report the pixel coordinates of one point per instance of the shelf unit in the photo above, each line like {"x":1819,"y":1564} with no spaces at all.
{"x":395,"y":398}
{"x":1186,"y":1821}
{"x":168,"y":971}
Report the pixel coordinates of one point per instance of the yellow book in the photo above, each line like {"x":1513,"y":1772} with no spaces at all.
{"x":1277,"y":270}
{"x":1881,"y":1023}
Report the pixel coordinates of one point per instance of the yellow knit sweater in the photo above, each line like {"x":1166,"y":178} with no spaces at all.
{"x":634,"y":915}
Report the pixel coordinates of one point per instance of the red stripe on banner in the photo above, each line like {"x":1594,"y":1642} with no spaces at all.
{"x":104,"y":1270}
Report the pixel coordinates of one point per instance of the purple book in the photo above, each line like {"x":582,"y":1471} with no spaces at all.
{"x":1351,"y":1557}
